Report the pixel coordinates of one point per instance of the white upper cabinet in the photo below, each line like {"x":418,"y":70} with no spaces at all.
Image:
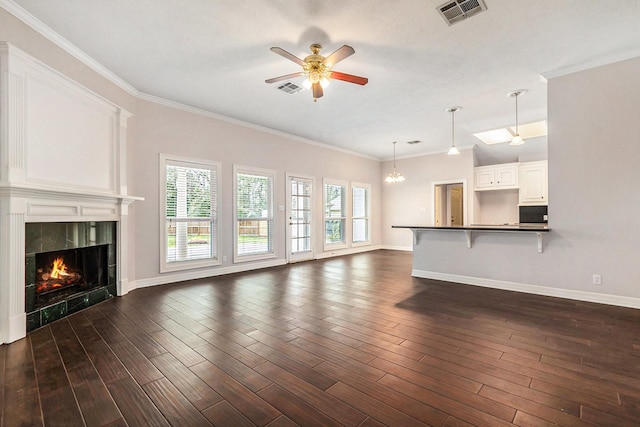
{"x":496,"y":177}
{"x":533,"y":183}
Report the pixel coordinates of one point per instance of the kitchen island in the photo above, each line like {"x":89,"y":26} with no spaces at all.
{"x":538,"y":229}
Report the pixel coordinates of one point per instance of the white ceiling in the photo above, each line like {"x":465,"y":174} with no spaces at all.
{"x":214,"y":55}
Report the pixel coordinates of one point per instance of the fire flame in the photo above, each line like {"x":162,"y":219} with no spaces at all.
{"x":59,"y":269}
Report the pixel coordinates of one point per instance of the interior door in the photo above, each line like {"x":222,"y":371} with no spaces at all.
{"x":455,"y":204}
{"x":299,"y":214}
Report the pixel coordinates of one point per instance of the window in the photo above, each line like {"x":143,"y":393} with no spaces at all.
{"x":360,"y":194}
{"x":335,"y":213}
{"x":189,"y":202}
{"x":254,"y":214}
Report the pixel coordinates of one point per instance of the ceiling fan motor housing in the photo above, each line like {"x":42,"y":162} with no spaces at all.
{"x":314,"y":67}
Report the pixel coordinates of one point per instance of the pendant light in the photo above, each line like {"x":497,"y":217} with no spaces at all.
{"x":453,"y":150}
{"x":517,"y":139}
{"x":394,"y":176}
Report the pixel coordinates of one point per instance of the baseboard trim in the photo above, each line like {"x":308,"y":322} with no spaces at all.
{"x":616,"y":300}
{"x":201,"y":274}
{"x":397,"y":248}
{"x":348,"y":251}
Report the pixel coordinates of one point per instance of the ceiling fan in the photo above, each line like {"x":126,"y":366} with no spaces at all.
{"x":317,"y":68}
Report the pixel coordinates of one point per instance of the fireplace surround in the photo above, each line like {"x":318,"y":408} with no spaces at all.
{"x":63,"y":180}
{"x":68,"y":266}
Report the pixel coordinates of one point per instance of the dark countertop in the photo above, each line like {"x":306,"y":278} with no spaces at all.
{"x":538,"y":228}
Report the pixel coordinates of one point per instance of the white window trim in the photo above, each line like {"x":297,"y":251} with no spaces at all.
{"x":200,"y":164}
{"x":368,"y":217}
{"x":254,"y":171}
{"x":347,"y":220}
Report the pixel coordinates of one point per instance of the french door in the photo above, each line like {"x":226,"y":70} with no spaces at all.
{"x":299,"y":229}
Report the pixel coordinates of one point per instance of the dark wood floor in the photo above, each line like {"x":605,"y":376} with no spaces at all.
{"x":346,"y":341}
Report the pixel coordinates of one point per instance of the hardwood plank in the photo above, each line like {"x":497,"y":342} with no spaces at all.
{"x":21,"y":405}
{"x":173,"y":405}
{"x":143,"y":342}
{"x":481,"y":413}
{"x":105,"y":361}
{"x":189,"y":384}
{"x":376,"y":409}
{"x":423,"y":411}
{"x":223,"y":413}
{"x":183,"y":334}
{"x":57,"y":400}
{"x":338,"y":410}
{"x":353,"y":340}
{"x":295,"y":408}
{"x":94,"y":400}
{"x":541,"y":411}
{"x":284,"y":421}
{"x":297,"y":368}
{"x":232,"y":348}
{"x":136,"y":407}
{"x":288,"y":348}
{"x":243,"y":399}
{"x":3,"y":352}
{"x":132,"y":358}
{"x":185,"y":354}
{"x":234,"y":367}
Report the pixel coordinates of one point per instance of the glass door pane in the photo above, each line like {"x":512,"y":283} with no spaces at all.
{"x":300,"y":230}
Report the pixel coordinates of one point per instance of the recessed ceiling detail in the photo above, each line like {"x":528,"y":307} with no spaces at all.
{"x":459,"y":10}
{"x":527,"y":130}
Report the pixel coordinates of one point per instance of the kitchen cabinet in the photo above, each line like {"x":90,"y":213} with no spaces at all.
{"x":533,"y":183}
{"x":496,"y":177}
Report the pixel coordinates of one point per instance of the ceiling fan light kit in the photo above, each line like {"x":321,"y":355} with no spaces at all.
{"x":317,"y":69}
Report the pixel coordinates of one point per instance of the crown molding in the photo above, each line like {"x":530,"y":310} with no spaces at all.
{"x":201,"y":112}
{"x":46,"y":31}
{"x":605,"y":60}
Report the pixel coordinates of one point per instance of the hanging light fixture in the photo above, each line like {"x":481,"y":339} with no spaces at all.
{"x":517,"y":139}
{"x":394,"y":176}
{"x":453,"y":150}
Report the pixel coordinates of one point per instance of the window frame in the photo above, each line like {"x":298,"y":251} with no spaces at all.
{"x":186,"y":162}
{"x":367,"y":217}
{"x":249,"y":170}
{"x":345,"y":218}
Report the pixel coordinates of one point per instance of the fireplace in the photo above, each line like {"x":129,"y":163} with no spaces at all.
{"x":68,"y":267}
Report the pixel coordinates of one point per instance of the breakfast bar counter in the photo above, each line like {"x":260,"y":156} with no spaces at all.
{"x":538,"y":229}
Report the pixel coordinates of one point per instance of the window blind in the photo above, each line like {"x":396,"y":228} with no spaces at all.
{"x":254,"y":210}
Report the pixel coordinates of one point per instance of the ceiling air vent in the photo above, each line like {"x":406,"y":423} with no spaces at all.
{"x":459,"y":10}
{"x":290,"y":88}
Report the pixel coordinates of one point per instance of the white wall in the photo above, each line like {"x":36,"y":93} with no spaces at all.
{"x":411,"y":202}
{"x":161,"y":129}
{"x":594,"y":203}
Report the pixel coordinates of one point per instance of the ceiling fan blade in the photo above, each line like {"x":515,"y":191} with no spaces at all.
{"x":317,"y":91}
{"x":338,"y":55}
{"x":285,"y":77}
{"x":280,"y":51}
{"x":349,"y":78}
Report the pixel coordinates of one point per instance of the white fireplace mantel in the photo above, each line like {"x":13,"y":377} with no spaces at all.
{"x":62,"y":159}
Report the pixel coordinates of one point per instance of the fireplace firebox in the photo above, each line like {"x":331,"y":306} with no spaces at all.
{"x":68,"y":266}
{"x":60,"y":274}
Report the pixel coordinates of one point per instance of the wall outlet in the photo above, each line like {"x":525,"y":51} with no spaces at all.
{"x":224,"y":258}
{"x":597,"y":279}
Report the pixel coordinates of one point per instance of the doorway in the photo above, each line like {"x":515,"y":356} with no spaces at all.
{"x":448,"y":201}
{"x":299,"y":225}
